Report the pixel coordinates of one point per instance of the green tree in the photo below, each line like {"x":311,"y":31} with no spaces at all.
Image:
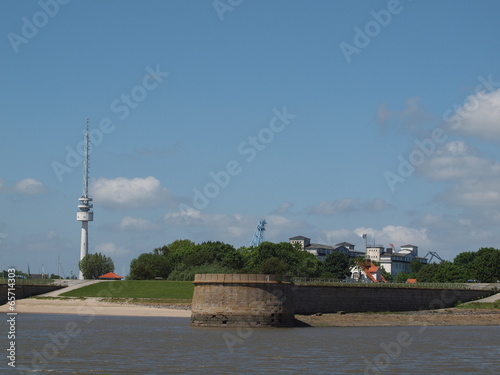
{"x":297,"y":260}
{"x":148,"y":266}
{"x":486,"y":265}
{"x":402,"y":277}
{"x":337,"y":264}
{"x":274,"y":266}
{"x":179,"y":245}
{"x":415,"y":266}
{"x":95,"y":265}
{"x":387,"y":276}
{"x":444,"y":272}
{"x":310,"y":266}
{"x":164,"y":250}
{"x":465,"y":258}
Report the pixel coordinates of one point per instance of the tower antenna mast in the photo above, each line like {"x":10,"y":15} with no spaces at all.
{"x":85,"y":213}
{"x":86,"y":163}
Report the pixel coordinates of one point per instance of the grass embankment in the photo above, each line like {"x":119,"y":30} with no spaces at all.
{"x":138,"y":291}
{"x":480,"y":305}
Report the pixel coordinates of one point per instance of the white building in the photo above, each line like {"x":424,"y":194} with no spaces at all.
{"x":321,"y":251}
{"x":365,"y":271}
{"x":373,"y":252}
{"x":397,"y":262}
{"x":393,"y":262}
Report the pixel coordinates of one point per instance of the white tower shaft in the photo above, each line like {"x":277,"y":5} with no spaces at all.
{"x":85,"y":214}
{"x":84,"y":244}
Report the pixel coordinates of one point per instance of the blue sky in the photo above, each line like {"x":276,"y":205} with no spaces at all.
{"x":329,"y":119}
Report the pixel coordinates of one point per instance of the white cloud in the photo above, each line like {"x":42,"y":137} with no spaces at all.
{"x":475,"y":180}
{"x":44,"y":243}
{"x":479,"y":116}
{"x":455,"y":161}
{"x":347,"y":205}
{"x":3,"y":236}
{"x":29,"y":186}
{"x":453,"y":234}
{"x":283,"y":208}
{"x":397,"y":235}
{"x":234,"y":227}
{"x":213,"y":227}
{"x":125,"y":193}
{"x":280,"y":228}
{"x":334,"y":236}
{"x":475,"y":193}
{"x":110,"y":249}
{"x":384,"y":114}
{"x":191,"y":216}
{"x":129,"y":223}
{"x":410,"y":118}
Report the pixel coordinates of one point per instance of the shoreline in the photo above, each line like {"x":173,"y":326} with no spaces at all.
{"x":441,"y":317}
{"x":94,"y":306}
{"x":98,"y":307}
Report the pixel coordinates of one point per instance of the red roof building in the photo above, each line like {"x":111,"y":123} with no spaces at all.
{"x":367,"y":271}
{"x":110,"y":276}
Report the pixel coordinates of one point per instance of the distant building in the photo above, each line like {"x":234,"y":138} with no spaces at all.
{"x":397,"y":262}
{"x":321,"y":251}
{"x":392,"y":261}
{"x":374,"y":252}
{"x":365,"y":271}
{"x":301,"y":240}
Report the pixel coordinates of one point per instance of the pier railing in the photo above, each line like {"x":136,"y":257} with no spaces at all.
{"x":22,"y":281}
{"x":335,"y":282}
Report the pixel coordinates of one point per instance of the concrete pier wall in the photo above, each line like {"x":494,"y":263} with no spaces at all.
{"x":25,"y":291}
{"x":242,"y":301}
{"x":271,"y":301}
{"x":331,"y":299}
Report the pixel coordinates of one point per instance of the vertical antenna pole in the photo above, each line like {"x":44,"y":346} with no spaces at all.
{"x":86,"y":163}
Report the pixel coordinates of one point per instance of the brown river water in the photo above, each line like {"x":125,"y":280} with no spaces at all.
{"x":72,"y":344}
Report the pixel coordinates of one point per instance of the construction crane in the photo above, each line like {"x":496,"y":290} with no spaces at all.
{"x":258,"y":236}
{"x":433,"y":254}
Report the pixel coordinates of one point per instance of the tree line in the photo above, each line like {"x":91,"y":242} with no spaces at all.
{"x":182,"y":259}
{"x":470,"y":266}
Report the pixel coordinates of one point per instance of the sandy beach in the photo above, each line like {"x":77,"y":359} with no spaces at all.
{"x":95,"y":306}
{"x":92,"y":306}
{"x":443,"y":317}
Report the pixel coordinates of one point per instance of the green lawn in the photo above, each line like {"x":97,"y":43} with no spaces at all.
{"x":172,"y":290}
{"x":480,"y":305}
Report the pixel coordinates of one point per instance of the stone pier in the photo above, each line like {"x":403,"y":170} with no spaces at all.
{"x":234,"y":300}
